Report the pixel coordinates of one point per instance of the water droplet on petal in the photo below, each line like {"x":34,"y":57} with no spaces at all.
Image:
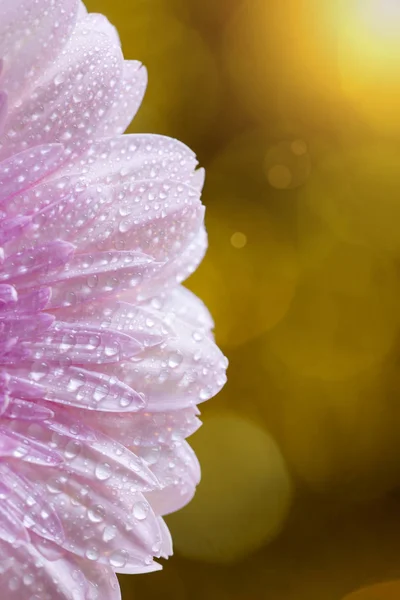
{"x":175,"y":359}
{"x":103,"y":471}
{"x":109,"y":533}
{"x":72,"y":449}
{"x":92,"y":553}
{"x":118,"y":559}
{"x":140,"y":510}
{"x":96,"y":513}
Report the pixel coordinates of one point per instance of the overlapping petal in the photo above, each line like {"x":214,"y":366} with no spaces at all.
{"x":104,"y":356}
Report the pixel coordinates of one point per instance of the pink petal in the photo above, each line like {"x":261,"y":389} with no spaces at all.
{"x":146,"y":428}
{"x":31,"y":302}
{"x":12,"y":228}
{"x":185,"y":370}
{"x":135,"y":157}
{"x":25,"y":326}
{"x":21,"y":171}
{"x":8,"y":295}
{"x":105,"y":356}
{"x":81,"y":344}
{"x":183,"y":304}
{"x":97,"y":276}
{"x":126,"y":105}
{"x":26,"y":500}
{"x":177,"y":483}
{"x":17,"y":446}
{"x":12,"y":528}
{"x":87,"y":87}
{"x":36,"y":264}
{"x":133,"y":320}
{"x":3,"y":109}
{"x":89,"y":455}
{"x":185,"y":263}
{"x":75,"y":386}
{"x":23,"y":388}
{"x":156,"y":218}
{"x":27,"y":411}
{"x":27,"y":575}
{"x":100,"y":24}
{"x":31,"y":36}
{"x":123,"y":533}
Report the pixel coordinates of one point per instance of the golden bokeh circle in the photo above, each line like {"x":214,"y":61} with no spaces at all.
{"x":287,"y":164}
{"x":355,"y":191}
{"x":244,"y":495}
{"x":333,"y":329}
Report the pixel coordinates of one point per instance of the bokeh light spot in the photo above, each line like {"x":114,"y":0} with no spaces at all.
{"x":279,"y":177}
{"x":238,"y":240}
{"x":381,"y":16}
{"x":329,"y":331}
{"x":287,"y":164}
{"x":339,"y":437}
{"x":355,"y":191}
{"x":244,"y":495}
{"x":249,"y":291}
{"x":299,"y":147}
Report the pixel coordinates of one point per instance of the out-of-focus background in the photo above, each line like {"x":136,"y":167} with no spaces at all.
{"x":293,"y":107}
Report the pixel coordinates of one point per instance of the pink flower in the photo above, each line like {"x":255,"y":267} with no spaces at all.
{"x":103,"y":354}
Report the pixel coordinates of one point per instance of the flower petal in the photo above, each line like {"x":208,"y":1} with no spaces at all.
{"x":186,"y":369}
{"x":27,"y":575}
{"x":31,"y":35}
{"x":25,"y":499}
{"x":178,"y":472}
{"x":19,"y":172}
{"x":146,"y":428}
{"x":100,"y":275}
{"x":40,"y":263}
{"x":86,"y":85}
{"x":74,"y":343}
{"x":15,"y":445}
{"x":126,"y":105}
{"x":75,"y":386}
{"x":183,"y":304}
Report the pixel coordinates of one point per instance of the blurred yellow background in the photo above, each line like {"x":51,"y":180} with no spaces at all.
{"x":293,"y":107}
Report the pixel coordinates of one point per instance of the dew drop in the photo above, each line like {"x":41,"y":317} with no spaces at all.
{"x":111,"y":350}
{"x":103,"y":471}
{"x":92,"y":553}
{"x":204,"y":394}
{"x":175,"y":360}
{"x":109,"y":533}
{"x":197,"y":336}
{"x":125,"y":401}
{"x":118,"y":559}
{"x":14,"y":583}
{"x":28,"y":579}
{"x":92,"y":281}
{"x":96,"y":513}
{"x":140,"y":510}
{"x":123,"y":226}
{"x":72,"y":449}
